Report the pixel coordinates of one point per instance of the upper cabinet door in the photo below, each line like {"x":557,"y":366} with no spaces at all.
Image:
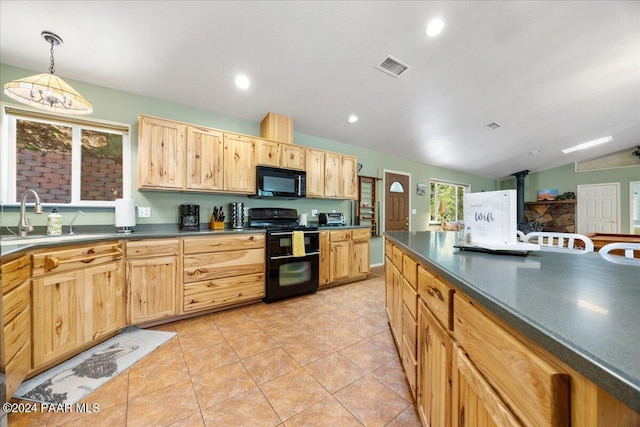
{"x":239,"y":164}
{"x":205,"y":157}
{"x":160,"y":153}
{"x":349,"y":177}
{"x":267,"y":153}
{"x":315,"y":172}
{"x":292,"y":157}
{"x":332,"y":175}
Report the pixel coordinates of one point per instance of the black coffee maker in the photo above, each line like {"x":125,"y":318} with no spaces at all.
{"x":189,"y":217}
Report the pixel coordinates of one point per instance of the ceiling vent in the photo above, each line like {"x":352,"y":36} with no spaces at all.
{"x":493,"y":125}
{"x":392,"y":66}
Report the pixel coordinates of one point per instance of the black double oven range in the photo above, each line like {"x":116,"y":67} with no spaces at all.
{"x":289,"y":273}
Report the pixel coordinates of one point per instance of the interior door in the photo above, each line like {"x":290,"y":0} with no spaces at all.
{"x":396,"y":201}
{"x":599,"y":208}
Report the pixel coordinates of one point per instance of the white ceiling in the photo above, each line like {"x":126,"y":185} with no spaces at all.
{"x":553,"y":74}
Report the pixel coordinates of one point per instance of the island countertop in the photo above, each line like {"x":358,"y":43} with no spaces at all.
{"x":581,"y":308}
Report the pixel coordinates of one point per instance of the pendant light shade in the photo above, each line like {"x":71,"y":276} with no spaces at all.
{"x":48,"y":91}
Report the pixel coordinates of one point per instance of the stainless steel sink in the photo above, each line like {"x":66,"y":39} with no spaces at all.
{"x":28,"y":240}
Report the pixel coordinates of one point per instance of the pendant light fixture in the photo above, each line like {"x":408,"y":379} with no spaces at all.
{"x":48,"y":91}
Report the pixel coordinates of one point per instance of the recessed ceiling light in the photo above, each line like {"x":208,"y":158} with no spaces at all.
{"x":434,"y":27}
{"x":242,"y":81}
{"x":352,"y":118}
{"x":493,"y":125}
{"x":536,"y":151}
{"x":587,"y":144}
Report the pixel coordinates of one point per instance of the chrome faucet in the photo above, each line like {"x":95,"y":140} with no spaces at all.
{"x":24,"y":223}
{"x":74,"y":218}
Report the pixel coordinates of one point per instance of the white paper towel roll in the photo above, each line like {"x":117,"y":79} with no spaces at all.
{"x":125,"y":213}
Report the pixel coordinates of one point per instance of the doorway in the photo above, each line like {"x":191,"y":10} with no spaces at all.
{"x":598,"y":209}
{"x":634,"y":207}
{"x":396,"y":201}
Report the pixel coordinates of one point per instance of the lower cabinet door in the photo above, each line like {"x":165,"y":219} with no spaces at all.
{"x":152,"y":288}
{"x":106,"y":286}
{"x":58,"y":326}
{"x":434,"y":370}
{"x":475,"y":403}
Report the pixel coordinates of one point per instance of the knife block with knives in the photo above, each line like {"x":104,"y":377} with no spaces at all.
{"x":217,"y":219}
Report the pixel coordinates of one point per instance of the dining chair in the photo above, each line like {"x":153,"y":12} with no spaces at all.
{"x":627,"y":247}
{"x":560,"y":242}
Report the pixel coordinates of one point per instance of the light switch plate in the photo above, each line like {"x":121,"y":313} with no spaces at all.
{"x":413,"y":211}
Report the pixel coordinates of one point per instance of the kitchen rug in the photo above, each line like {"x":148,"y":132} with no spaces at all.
{"x":77,"y":377}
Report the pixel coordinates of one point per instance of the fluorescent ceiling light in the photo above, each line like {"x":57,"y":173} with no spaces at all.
{"x":434,"y":27}
{"x":242,"y":82}
{"x":352,"y":118}
{"x":587,"y":144}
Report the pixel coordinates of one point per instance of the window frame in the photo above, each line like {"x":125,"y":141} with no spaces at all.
{"x":466,"y":189}
{"x":8,"y":196}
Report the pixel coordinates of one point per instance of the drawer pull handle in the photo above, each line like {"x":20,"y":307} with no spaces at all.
{"x":52,"y":262}
{"x":437,"y":292}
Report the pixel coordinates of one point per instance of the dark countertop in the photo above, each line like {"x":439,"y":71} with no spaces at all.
{"x":92,"y":235}
{"x":581,"y":308}
{"x":106,"y":233}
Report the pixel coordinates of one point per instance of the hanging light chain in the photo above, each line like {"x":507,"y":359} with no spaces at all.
{"x":52,"y":69}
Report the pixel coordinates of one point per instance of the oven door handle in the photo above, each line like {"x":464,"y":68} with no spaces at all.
{"x":291,"y":256}
{"x":289,"y":233}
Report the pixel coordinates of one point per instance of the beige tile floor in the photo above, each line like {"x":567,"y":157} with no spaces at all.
{"x":325,"y":359}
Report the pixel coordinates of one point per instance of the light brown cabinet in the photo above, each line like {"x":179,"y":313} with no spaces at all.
{"x":434,"y":371}
{"x":331,"y":175}
{"x":204,"y":161}
{"x":472,"y":369}
{"x":239,"y":164}
{"x":89,"y":301}
{"x":325,"y":254}
{"x":314,"y":160}
{"x":152,"y":279}
{"x":15,"y":351}
{"x":161,"y":145}
{"x":287,"y":156}
{"x":223,"y":270}
{"x":348,"y":255}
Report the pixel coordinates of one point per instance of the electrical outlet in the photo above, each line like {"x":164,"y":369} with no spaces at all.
{"x":314,"y":212}
{"x":413,"y":211}
{"x":144,"y":212}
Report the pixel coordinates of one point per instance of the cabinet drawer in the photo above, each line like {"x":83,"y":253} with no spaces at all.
{"x":535,"y":389}
{"x":437,"y":295}
{"x":410,"y":298}
{"x":195,"y":245}
{"x":410,"y":270}
{"x":388,"y":249}
{"x":397,"y":258}
{"x":16,"y":301}
{"x":17,"y":334}
{"x":339,"y":236}
{"x":152,"y":247}
{"x":220,"y":292}
{"x":199,"y":267}
{"x":360,"y":233}
{"x":80,"y":257}
{"x":410,"y":330}
{"x":410,"y":365}
{"x":14,"y":273}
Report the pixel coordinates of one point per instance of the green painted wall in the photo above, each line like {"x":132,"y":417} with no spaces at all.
{"x":123,"y":107}
{"x":565,"y":178}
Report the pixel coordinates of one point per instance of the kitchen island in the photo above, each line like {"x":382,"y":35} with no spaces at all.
{"x":579,"y":309}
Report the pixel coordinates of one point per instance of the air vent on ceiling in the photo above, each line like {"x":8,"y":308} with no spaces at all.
{"x":392,"y":66}
{"x":493,"y":125}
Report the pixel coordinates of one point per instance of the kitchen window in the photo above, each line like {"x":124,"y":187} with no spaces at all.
{"x":446,"y":202}
{"x":67,"y":160}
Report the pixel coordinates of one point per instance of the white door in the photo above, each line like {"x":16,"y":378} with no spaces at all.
{"x":599,"y":208}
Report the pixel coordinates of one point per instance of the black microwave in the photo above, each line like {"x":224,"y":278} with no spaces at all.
{"x":280,"y":183}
